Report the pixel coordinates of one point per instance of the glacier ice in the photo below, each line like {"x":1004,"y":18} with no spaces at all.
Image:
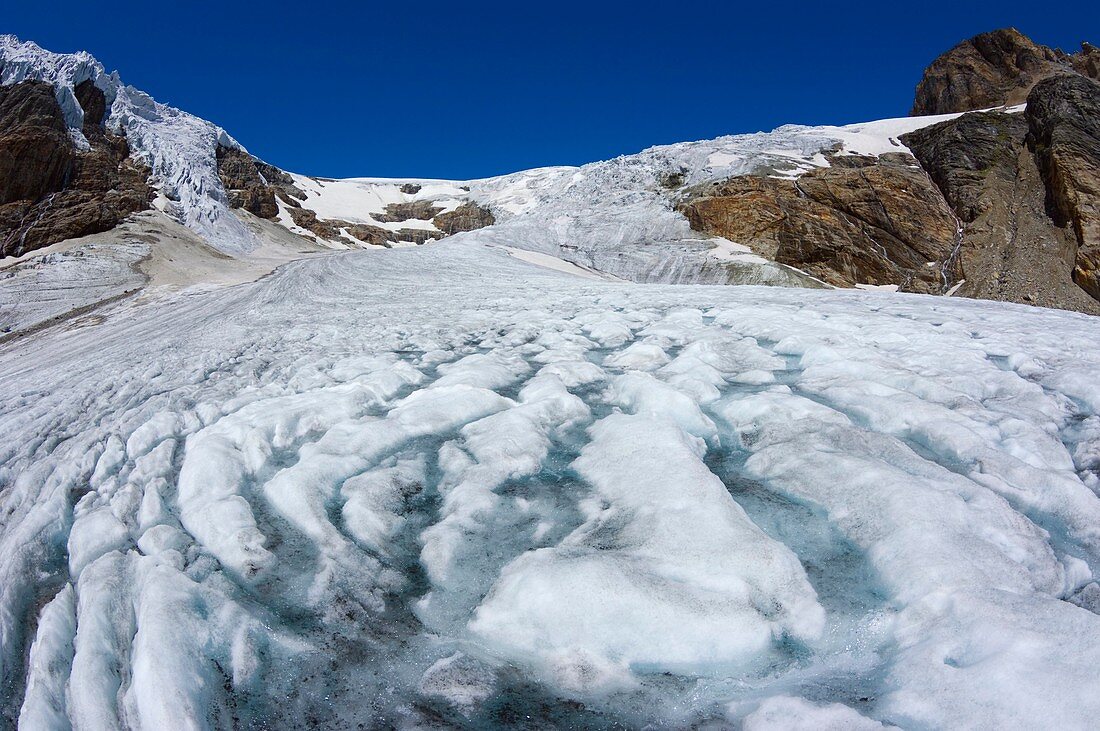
{"x":443,"y":486}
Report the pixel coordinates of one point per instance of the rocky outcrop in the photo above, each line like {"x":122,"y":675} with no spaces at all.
{"x":1027,"y":189}
{"x":252,"y":184}
{"x":467,"y":217}
{"x":994,"y":69}
{"x":36,"y":152}
{"x":93,"y":103}
{"x":361,"y":233}
{"x":1087,"y":61}
{"x":863,"y":220}
{"x":961,"y":154}
{"x":1010,"y":250}
{"x":331,"y":230}
{"x":1063,"y":116}
{"x":407,"y":211}
{"x":51,"y":191}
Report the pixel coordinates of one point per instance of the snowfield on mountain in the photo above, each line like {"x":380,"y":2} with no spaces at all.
{"x":550,"y":472}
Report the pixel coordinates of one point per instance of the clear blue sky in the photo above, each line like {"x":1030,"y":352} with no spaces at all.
{"x":466,"y":89}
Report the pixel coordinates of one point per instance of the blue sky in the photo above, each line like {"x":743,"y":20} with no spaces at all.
{"x":466,"y":89}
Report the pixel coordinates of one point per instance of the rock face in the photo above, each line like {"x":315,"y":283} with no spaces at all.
{"x":994,"y":69}
{"x":1011,"y":249}
{"x":36,"y":154}
{"x":49,"y":190}
{"x":863,"y":220}
{"x":1087,"y":61}
{"x":252,"y":184}
{"x":408,"y":211}
{"x":467,"y":217}
{"x":1027,"y":189}
{"x":1064,"y":131}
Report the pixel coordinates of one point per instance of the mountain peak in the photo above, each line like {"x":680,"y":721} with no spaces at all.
{"x":993,"y":69}
{"x":179,"y":148}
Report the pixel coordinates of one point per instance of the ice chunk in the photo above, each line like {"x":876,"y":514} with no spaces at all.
{"x":641,"y":393}
{"x":643,"y":355}
{"x":788,"y":713}
{"x":93,"y":534}
{"x":459,"y":680}
{"x":667,"y":573}
{"x":51,"y":658}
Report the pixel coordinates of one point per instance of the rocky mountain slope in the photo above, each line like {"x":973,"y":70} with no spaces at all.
{"x":996,"y":204}
{"x":50,"y":189}
{"x":1024,"y":188}
{"x":999,"y":204}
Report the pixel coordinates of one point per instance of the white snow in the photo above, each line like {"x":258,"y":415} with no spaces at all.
{"x":786,"y":713}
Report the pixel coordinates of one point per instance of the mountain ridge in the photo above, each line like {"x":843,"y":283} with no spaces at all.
{"x":668,"y":214}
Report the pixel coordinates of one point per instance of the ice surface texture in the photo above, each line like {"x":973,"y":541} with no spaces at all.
{"x":440,"y":485}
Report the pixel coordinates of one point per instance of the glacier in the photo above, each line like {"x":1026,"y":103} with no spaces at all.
{"x":444,"y":486}
{"x":523,"y":476}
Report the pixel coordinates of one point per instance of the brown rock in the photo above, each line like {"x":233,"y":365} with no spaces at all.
{"x":1010,"y":249}
{"x":412,"y":210}
{"x":1087,"y":61}
{"x":993,"y":69}
{"x":329,"y":230}
{"x":1063,"y":115}
{"x":467,"y":217}
{"x":49,"y":191}
{"x":93,"y":102}
{"x":307,"y":219}
{"x":374,"y":235}
{"x":36,"y":152}
{"x":959,"y":155}
{"x":252,"y":184}
{"x":864,"y":220}
{"x":416,"y":235}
